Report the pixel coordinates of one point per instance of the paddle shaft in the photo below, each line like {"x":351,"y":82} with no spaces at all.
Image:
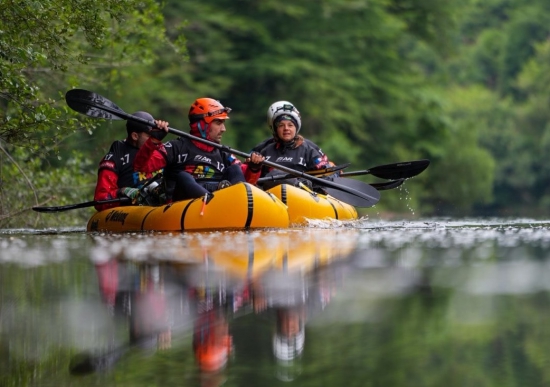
{"x":81,"y":205}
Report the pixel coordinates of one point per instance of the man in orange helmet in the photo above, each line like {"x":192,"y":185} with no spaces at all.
{"x":212,"y":342}
{"x":195,"y":168}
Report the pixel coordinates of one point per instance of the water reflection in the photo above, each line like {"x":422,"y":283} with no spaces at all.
{"x":435,"y":302}
{"x":199,"y":285}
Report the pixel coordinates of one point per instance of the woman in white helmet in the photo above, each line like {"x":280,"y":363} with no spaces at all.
{"x":288,"y":147}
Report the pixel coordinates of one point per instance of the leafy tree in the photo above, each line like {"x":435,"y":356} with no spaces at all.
{"x":60,"y":42}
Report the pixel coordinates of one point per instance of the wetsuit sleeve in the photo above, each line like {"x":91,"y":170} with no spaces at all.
{"x":151,"y":157}
{"x":107,"y":185}
{"x":317,"y":159}
{"x":249,"y":175}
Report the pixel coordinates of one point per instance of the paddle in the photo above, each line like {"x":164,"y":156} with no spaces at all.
{"x":378,"y":186}
{"x":97,"y":106}
{"x":350,"y":183}
{"x":81,"y":205}
{"x":396,"y":171}
{"x":328,"y":170}
{"x":388,"y":184}
{"x":402,"y":170}
{"x":122,"y":200}
{"x":87,"y":363}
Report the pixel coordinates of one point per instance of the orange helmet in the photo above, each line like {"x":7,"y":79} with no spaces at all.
{"x":207,"y":109}
{"x":212,"y":358}
{"x":212,"y":342}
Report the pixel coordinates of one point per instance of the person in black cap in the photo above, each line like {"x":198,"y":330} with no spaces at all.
{"x":116,"y":176}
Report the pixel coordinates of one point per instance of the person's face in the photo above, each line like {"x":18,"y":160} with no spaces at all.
{"x":139,"y":138}
{"x":216,"y":130}
{"x":290,"y":324}
{"x":286,"y":130}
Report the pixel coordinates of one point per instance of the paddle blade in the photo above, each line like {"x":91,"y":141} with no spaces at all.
{"x":402,"y":170}
{"x":86,"y":363}
{"x":93,"y":105}
{"x":388,"y":184}
{"x":351,"y":198}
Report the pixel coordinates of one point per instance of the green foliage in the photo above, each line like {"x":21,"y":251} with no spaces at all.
{"x":47,"y":44}
{"x":460,"y":83}
{"x":46,"y":48}
{"x":25,"y":183}
{"x":463,"y":173}
{"x":340,"y":62}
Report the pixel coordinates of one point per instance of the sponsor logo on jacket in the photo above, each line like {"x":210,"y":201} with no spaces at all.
{"x":284,"y":159}
{"x":203,"y":159}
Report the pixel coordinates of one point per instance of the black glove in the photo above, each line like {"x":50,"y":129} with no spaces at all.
{"x":157,"y":134}
{"x":253,"y":167}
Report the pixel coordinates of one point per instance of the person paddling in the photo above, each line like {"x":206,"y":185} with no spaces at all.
{"x":116,"y":175}
{"x":288,"y":147}
{"x":194,"y":168}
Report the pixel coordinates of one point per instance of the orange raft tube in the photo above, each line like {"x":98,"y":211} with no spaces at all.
{"x":240,"y":206}
{"x":304,"y":205}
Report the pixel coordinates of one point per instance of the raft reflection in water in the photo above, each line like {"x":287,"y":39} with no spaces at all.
{"x":209,"y":282}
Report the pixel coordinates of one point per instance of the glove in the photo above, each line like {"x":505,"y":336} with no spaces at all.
{"x":131,"y":193}
{"x":252,"y":166}
{"x":157,"y":134}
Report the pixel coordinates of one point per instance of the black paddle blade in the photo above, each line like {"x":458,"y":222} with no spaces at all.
{"x":350,"y":198}
{"x":403,"y":170}
{"x":93,"y":105}
{"x":86,"y":363}
{"x":388,"y":184}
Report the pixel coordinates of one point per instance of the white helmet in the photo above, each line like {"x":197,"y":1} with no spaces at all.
{"x":288,"y":348}
{"x":280,"y":108}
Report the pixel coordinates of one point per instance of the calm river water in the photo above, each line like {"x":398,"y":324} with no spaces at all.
{"x":369,"y":303}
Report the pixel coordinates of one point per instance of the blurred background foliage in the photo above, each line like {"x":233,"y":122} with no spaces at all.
{"x":462,"y":83}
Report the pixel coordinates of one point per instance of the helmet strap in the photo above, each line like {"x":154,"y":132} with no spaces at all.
{"x":202,"y":131}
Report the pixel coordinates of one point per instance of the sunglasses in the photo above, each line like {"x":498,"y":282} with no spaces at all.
{"x":197,"y":117}
{"x":286,"y":108}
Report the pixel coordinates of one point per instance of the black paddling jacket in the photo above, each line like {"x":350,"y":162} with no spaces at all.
{"x":305,"y":156}
{"x":183,"y":155}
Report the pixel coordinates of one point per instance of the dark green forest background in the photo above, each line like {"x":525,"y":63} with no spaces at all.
{"x":464,"y":83}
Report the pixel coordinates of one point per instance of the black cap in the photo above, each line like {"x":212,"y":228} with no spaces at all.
{"x":287,"y":117}
{"x":133,"y":126}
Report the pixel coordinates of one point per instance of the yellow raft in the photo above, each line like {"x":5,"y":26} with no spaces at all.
{"x":303,"y":205}
{"x":240,"y":206}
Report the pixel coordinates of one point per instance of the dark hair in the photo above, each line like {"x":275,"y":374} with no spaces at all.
{"x":133,"y":126}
